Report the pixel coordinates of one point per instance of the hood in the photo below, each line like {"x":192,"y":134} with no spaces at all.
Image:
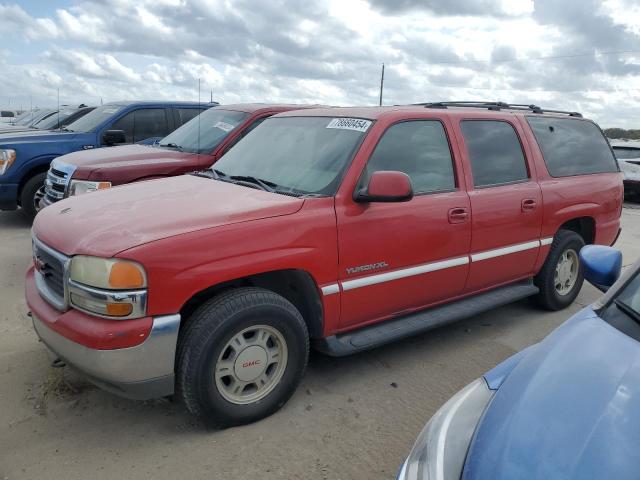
{"x":100,"y":162}
{"x":14,"y":128}
{"x":106,"y":222}
{"x":36,"y":136}
{"x":570,"y":409}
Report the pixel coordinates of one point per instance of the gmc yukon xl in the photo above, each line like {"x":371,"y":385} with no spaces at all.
{"x":341,"y":228}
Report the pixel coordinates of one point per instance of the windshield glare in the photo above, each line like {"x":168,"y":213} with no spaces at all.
{"x":52,"y":121}
{"x":298,"y":154}
{"x":94,"y":118}
{"x":214,"y":125}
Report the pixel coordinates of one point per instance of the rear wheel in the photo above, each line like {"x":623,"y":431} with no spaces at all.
{"x":241,"y":357}
{"x":560,"y":278}
{"x":29,"y":193}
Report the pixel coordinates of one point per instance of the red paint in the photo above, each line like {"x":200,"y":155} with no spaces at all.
{"x":389,"y":185}
{"x":251,"y":363}
{"x":192,"y":233}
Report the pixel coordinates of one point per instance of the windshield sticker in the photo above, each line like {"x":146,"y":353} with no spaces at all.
{"x":356,"y":124}
{"x":227,"y":127}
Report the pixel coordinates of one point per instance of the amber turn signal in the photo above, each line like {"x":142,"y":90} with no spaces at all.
{"x":119,"y":309}
{"x":125,"y":275}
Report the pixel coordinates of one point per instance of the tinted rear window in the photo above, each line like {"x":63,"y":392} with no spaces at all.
{"x":495,"y":152}
{"x":572,"y":147}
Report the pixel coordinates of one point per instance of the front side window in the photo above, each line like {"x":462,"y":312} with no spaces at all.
{"x":572,"y":147}
{"x":305,"y":155}
{"x":494,"y":151}
{"x":205,"y":132}
{"x":149,"y":122}
{"x":94,"y":119}
{"x":418,"y":148}
{"x":126,"y":125}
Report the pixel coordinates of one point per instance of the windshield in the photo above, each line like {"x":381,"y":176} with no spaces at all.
{"x":214,"y":125}
{"x":32,"y":117}
{"x":306,"y":155}
{"x":52,"y":121}
{"x":630,"y":296}
{"x":625,"y":153}
{"x":94,"y":118}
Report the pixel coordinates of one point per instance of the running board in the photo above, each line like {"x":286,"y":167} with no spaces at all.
{"x":412,"y":324}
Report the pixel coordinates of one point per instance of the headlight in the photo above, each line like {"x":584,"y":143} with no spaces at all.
{"x":108,"y":287}
{"x":441,"y":448}
{"x":79,"y":187}
{"x":7,"y":157}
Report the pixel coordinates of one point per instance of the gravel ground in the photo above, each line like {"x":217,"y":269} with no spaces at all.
{"x":353,"y":417}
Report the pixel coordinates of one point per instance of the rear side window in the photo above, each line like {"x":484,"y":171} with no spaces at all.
{"x":572,"y":147}
{"x":421,"y":150}
{"x":186,"y":114}
{"x":494,"y":151}
{"x":150,"y":122}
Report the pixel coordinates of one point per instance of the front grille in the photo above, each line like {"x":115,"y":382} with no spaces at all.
{"x":50,"y":268}
{"x":57,"y":181}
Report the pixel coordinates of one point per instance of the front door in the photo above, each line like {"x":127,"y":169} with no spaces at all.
{"x":399,"y":257}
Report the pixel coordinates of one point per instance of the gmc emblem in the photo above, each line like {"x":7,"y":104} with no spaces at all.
{"x":250,"y":363}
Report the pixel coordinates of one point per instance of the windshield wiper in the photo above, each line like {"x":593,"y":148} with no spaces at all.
{"x":172,"y":145}
{"x":212,"y":173}
{"x":628,"y":310}
{"x":65,"y":129}
{"x":265,"y":185}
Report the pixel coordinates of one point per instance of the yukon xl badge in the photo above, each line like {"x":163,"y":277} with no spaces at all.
{"x":364,"y":268}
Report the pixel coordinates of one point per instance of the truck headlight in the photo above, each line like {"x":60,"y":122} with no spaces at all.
{"x":80,"y":187}
{"x":7,"y":157}
{"x":441,"y":448}
{"x":108,"y":287}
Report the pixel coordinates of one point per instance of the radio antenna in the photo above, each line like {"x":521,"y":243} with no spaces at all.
{"x":199,"y":111}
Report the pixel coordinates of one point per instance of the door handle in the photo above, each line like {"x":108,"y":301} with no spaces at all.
{"x":458,"y":215}
{"x":528,"y":204}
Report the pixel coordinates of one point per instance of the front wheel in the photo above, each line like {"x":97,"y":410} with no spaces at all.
{"x":29,"y":193}
{"x":241,"y":357}
{"x":560,"y":278}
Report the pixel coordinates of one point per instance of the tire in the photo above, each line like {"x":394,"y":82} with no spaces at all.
{"x":28,"y":194}
{"x":556,"y":294}
{"x":222,"y":347}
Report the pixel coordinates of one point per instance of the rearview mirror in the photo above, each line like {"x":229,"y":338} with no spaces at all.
{"x":113,"y":137}
{"x":601,"y":265}
{"x":386,"y":186}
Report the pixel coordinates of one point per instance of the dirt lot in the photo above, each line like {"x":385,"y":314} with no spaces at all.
{"x":353,"y":417}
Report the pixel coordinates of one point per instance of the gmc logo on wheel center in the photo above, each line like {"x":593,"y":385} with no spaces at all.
{"x":251,"y":363}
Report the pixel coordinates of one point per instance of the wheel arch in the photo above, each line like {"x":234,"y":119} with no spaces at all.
{"x":584,"y":226}
{"x":37,"y":166}
{"x":297,"y":286}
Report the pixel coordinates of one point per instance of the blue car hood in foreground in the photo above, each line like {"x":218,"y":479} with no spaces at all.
{"x":569,"y":410}
{"x":34,"y":136}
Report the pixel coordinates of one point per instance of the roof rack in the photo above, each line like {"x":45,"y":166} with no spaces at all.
{"x":497,"y":106}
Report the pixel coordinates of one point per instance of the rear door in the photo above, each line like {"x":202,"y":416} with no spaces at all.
{"x":506,"y":202}
{"x":399,"y":257}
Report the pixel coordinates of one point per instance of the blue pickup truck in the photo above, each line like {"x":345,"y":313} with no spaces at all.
{"x":25,"y":156}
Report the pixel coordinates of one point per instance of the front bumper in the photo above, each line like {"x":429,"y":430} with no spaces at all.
{"x":8,"y":196}
{"x":140,"y":372}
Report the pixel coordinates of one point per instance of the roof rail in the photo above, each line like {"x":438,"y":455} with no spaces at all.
{"x":496,"y":106}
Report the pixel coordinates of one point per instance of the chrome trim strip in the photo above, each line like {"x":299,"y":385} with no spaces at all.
{"x":138,"y":298}
{"x":403,"y":273}
{"x":498,"y":252}
{"x":330,"y":289}
{"x":546,"y":241}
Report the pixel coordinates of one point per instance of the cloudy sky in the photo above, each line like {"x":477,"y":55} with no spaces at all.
{"x":572,"y":54}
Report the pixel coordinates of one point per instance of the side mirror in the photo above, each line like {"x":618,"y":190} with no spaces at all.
{"x":601,"y":265}
{"x":385,"y":186}
{"x":113,"y":137}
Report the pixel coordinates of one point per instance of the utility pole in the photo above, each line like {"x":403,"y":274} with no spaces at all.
{"x":381,"y":84}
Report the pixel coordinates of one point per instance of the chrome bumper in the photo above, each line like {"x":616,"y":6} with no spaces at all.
{"x":142,"y":372}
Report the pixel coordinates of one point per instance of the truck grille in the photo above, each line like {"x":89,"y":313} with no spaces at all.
{"x":51,"y":267}
{"x":57,"y":181}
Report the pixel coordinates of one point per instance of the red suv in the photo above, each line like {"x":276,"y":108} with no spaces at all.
{"x":195,"y":145}
{"x":344,"y":227}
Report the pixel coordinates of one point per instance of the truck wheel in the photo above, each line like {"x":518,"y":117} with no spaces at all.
{"x":560,"y":278}
{"x":241,"y":357}
{"x":28,"y":194}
